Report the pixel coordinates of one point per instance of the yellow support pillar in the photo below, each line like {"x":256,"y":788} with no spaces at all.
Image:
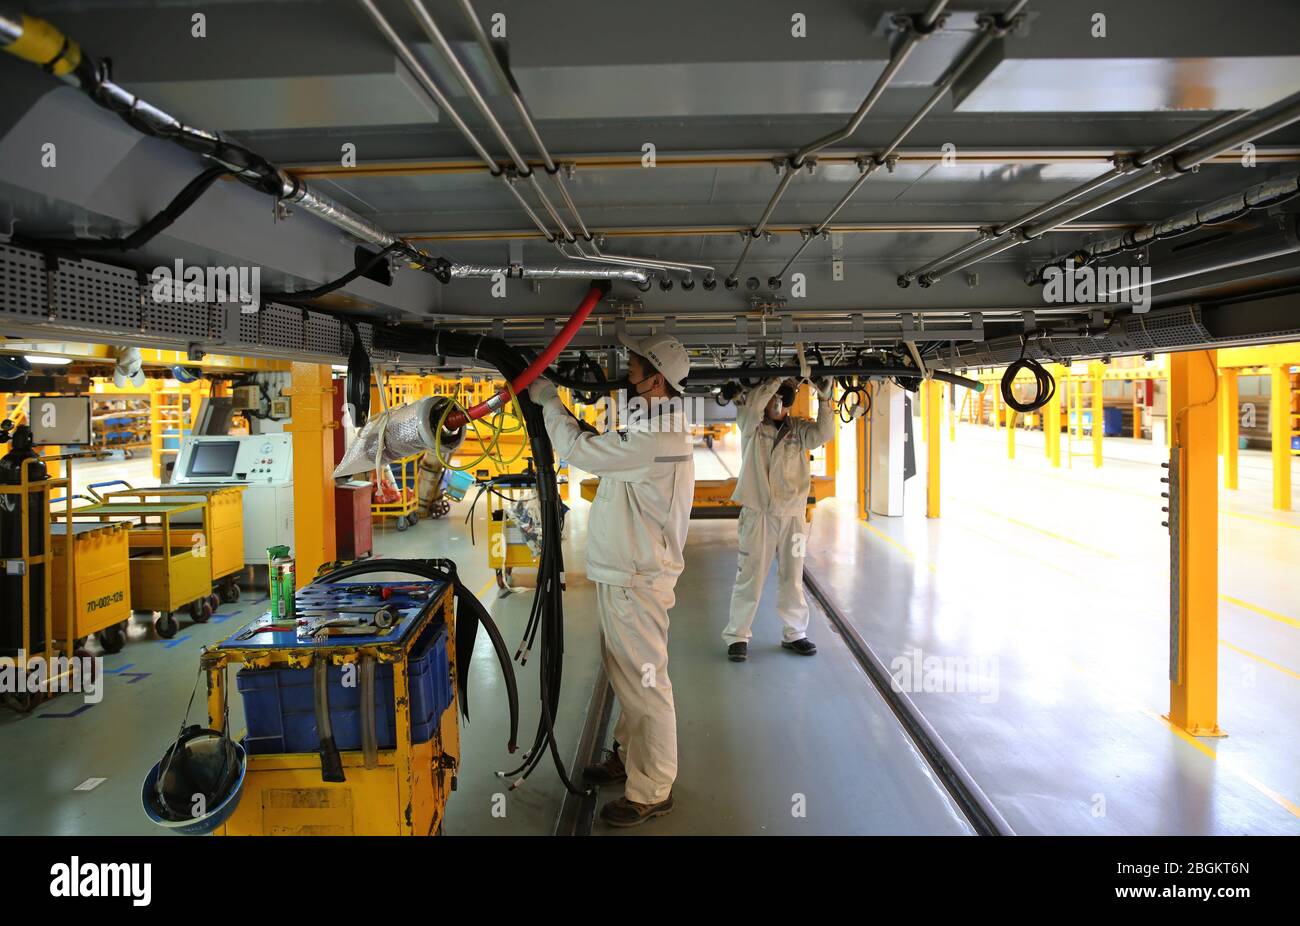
{"x":313,"y":468}
{"x":1098,"y":425}
{"x":1229,"y":425}
{"x":864,"y":463}
{"x":1052,"y":425}
{"x":932,"y":396}
{"x":951,"y":390}
{"x":925,"y":412}
{"x":832,"y":445}
{"x":1011,"y":431}
{"x":1279,"y":423}
{"x":1194,"y":519}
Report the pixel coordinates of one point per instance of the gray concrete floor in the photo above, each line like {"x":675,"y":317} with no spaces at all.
{"x":1051,"y":587}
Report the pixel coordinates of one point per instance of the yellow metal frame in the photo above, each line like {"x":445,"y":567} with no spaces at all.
{"x":408,"y":497}
{"x":503,"y":554}
{"x":174,"y":577}
{"x":99,"y":594}
{"x":24,"y":490}
{"x":405,"y":795}
{"x":223,"y":521}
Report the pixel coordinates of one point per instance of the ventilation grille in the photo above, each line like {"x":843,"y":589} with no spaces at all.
{"x":113,"y":304}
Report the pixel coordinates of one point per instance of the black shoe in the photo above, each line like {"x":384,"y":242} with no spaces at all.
{"x":738,"y":652}
{"x":804,"y":647}
{"x":622,"y":812}
{"x":607,"y":772}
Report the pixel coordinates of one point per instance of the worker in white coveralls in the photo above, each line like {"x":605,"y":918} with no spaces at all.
{"x":772,"y":490}
{"x":635,"y":535}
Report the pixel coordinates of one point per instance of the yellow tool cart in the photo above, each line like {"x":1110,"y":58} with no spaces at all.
{"x":348,"y":734}
{"x":223,"y":525}
{"x":169,"y":559}
{"x":507,"y":546}
{"x":27,"y":558}
{"x":100,"y":599}
{"x":405,"y":508}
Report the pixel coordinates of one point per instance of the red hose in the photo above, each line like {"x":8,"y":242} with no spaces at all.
{"x":521,"y":382}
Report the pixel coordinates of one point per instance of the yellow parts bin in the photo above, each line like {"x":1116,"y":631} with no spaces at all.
{"x":169,"y":559}
{"x":101,"y":584}
{"x":404,"y":794}
{"x":223,"y":527}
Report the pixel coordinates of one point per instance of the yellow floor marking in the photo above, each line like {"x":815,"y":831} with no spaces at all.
{"x":1263,"y":612}
{"x":890,"y":540}
{"x":1275,"y":797}
{"x":1042,"y":530}
{"x":1261,"y":520}
{"x":486,"y":585}
{"x":1260,"y":659}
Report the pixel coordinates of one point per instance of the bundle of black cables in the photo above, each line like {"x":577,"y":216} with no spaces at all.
{"x":1045,"y":385}
{"x":546,"y":619}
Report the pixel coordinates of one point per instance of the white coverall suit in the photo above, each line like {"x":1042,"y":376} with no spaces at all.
{"x":772,"y":489}
{"x":635,"y":536}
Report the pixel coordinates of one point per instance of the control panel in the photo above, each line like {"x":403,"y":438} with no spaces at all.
{"x":255,"y":459}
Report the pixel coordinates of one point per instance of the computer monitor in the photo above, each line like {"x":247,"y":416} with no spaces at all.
{"x":59,"y":420}
{"x":214,"y":417}
{"x":213,"y":458}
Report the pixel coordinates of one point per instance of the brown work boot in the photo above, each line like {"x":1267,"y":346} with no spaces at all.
{"x":608,"y":772}
{"x":622,"y":812}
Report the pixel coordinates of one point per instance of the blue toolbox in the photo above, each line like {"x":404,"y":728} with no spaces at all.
{"x":279,"y":705}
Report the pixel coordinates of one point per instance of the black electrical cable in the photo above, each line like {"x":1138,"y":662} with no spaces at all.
{"x":357,"y":386}
{"x":545,"y":626}
{"x":307,"y":295}
{"x":187,"y":197}
{"x":1043,"y":381}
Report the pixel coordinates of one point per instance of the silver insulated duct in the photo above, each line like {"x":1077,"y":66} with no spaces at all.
{"x":397,"y":433}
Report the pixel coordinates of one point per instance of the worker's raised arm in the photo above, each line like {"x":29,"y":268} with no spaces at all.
{"x":614,"y":453}
{"x":756,"y":399}
{"x":820,"y":431}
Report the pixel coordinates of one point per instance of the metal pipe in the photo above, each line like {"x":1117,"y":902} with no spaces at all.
{"x":634,"y":261}
{"x":520,"y":272}
{"x":720,"y":374}
{"x":998,"y":245}
{"x":1155,"y":171}
{"x":1189,"y":137}
{"x":991,"y":29}
{"x":898,"y":57}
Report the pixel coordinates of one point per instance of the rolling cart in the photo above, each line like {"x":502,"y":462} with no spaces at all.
{"x":506,"y":545}
{"x":169,"y":570}
{"x":405,"y":509}
{"x":222,"y":521}
{"x":395,"y":737}
{"x":100,"y":591}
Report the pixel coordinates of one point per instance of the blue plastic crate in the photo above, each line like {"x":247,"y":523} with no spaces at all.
{"x":279,"y":705}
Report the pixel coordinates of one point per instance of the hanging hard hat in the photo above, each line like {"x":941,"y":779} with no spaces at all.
{"x":186,"y":374}
{"x":13,"y":366}
{"x":129,"y":369}
{"x":197,"y":784}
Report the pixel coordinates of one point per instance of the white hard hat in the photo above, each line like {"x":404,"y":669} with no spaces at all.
{"x":665,"y":353}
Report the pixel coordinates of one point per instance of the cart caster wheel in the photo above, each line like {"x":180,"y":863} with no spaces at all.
{"x":441,"y":508}
{"x":112,"y":639}
{"x":201,"y":610}
{"x":167,"y":626}
{"x":214,"y":601}
{"x":708,"y":441}
{"x":413,"y":518}
{"x":501,"y":579}
{"x":230,"y":593}
{"x":80,"y":644}
{"x":401,"y":524}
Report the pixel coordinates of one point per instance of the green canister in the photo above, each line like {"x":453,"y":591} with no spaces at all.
{"x":283,"y":582}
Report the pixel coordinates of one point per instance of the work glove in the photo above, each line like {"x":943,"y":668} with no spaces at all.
{"x":542,"y":390}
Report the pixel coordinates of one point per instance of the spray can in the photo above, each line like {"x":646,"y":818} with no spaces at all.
{"x":283,"y":582}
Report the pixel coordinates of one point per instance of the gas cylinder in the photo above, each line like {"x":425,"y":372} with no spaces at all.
{"x":11,"y":543}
